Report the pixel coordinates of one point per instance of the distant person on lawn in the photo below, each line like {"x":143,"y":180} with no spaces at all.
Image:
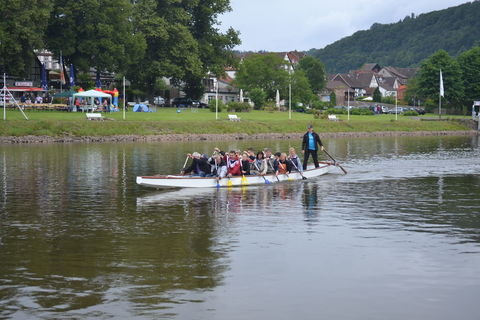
{"x":310,"y":144}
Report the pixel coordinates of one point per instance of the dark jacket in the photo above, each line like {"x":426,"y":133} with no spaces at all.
{"x":201,"y":163}
{"x":246,"y":167}
{"x":316,"y":139}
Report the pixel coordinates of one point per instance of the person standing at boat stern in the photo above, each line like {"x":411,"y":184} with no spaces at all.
{"x":310,"y":144}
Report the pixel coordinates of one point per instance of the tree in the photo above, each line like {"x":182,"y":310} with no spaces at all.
{"x":377,"y":95}
{"x":263,"y":71}
{"x":95,"y":33}
{"x":469,"y":63}
{"x":429,"y":79}
{"x":301,"y":90}
{"x":333,"y":99}
{"x":258,"y":97}
{"x":22,"y":29}
{"x":314,"y":71}
{"x":183,"y":43}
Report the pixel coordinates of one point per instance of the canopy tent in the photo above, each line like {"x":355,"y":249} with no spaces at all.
{"x":92,"y":94}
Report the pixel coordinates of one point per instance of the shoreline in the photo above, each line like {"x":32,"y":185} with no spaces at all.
{"x":222,"y":137}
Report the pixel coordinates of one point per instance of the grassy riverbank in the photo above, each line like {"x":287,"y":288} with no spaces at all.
{"x":167,"y":121}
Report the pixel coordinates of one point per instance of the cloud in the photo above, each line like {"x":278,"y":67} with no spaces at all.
{"x":278,"y":25}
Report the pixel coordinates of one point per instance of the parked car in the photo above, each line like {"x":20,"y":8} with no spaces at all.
{"x":420,"y":111}
{"x":385,"y":109}
{"x":159,"y":101}
{"x":397,"y":110}
{"x":184,"y":103}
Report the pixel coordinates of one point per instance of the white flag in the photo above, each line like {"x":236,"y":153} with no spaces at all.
{"x":442,"y":92}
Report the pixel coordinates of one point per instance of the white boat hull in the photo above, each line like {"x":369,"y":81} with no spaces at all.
{"x":198,"y":182}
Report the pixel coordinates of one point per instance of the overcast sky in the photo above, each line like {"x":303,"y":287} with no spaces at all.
{"x":281,"y":25}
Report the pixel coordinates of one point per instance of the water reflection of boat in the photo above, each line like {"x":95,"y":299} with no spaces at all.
{"x":197,"y":182}
{"x":257,"y":199}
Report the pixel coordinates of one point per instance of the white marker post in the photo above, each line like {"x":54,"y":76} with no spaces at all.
{"x":290,"y":101}
{"x":4,"y":97}
{"x":124,"y":105}
{"x":396,"y":106}
{"x":216,"y":98}
{"x":348,"y":105}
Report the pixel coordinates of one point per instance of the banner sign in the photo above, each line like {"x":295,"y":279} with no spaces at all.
{"x":476,"y":103}
{"x":23,"y":84}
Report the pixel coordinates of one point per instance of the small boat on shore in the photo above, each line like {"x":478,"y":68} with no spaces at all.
{"x":179,"y":181}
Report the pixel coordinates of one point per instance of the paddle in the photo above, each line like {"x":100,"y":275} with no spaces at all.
{"x":266,"y":180}
{"x":271,"y":166}
{"x":301,"y":173}
{"x":288,"y":177}
{"x":335,"y":161}
{"x":244,"y":180}
{"x":185,"y":164}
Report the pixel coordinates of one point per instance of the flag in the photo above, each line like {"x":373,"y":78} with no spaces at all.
{"x":62,"y":73}
{"x":72,"y":76}
{"x":442,"y":92}
{"x":98,"y":82}
{"x":44,"y":78}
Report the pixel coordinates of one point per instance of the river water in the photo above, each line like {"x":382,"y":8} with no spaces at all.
{"x":396,"y":238}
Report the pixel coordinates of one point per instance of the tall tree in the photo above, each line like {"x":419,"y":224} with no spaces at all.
{"x":315,"y":72}
{"x":301,"y":89}
{"x":469,"y":63}
{"x":22,"y":27}
{"x":377,"y":95}
{"x":429,"y":78}
{"x":263,"y":71}
{"x":95,"y":33}
{"x":183,"y":42}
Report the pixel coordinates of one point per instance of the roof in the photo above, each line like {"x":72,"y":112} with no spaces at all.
{"x":370,"y":67}
{"x":359,"y":79}
{"x":334,"y":84}
{"x":403,"y":73}
{"x":92,"y":94}
{"x":387,"y":83}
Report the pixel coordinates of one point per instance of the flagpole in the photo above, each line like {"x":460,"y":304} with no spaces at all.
{"x":124,"y":105}
{"x":4,"y":97}
{"x":290,"y":101}
{"x":216,"y":99}
{"x":441,"y":93}
{"x":61,"y":71}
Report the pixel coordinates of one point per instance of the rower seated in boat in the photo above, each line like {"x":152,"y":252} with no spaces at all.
{"x":233,"y":165}
{"x":218,"y":166}
{"x":199,"y":166}
{"x":295,"y":160}
{"x":245,"y":165}
{"x":283,"y":165}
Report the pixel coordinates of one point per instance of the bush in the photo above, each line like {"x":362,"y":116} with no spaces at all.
{"x":388,"y":100}
{"x":238,"y":107}
{"x":212,"y":106}
{"x":258,"y":97}
{"x":361,"y":112}
{"x":410,"y":113}
{"x":270,"y":106}
{"x":335,"y":111}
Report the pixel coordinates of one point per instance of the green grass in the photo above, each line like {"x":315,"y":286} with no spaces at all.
{"x":167,"y":120}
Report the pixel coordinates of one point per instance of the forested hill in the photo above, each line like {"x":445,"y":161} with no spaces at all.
{"x":407,"y":42}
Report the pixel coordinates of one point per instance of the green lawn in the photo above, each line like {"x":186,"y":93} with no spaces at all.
{"x":167,"y":120}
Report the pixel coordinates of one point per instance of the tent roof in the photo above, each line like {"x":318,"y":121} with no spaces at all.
{"x":92,"y":94}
